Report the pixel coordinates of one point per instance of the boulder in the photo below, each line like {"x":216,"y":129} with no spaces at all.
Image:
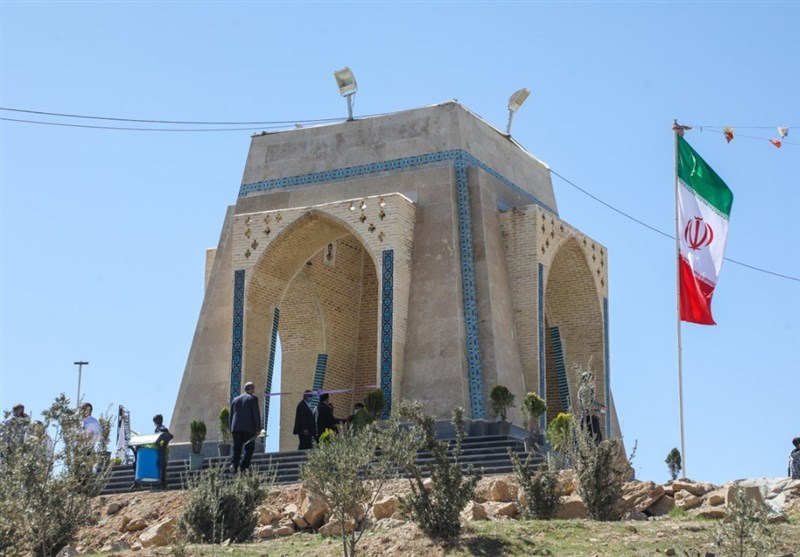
{"x":501,"y":491}
{"x":67,"y":551}
{"x":334,"y":528}
{"x":571,"y":506}
{"x":299,"y":522}
{"x":695,"y":488}
{"x":266,"y":514}
{"x":474,"y":511}
{"x":385,"y":507}
{"x":159,"y":534}
{"x":113,"y":508}
{"x":685,"y":500}
{"x":567,"y":480}
{"x":661,"y":507}
{"x":264,"y":533}
{"x":136,"y":525}
{"x":313,"y":509}
{"x":283,"y":531}
{"x":634,"y":515}
{"x":708,"y":512}
{"x":715,"y":498}
{"x":750,"y":492}
{"x":290,"y":509}
{"x":640,"y":495}
{"x":504,"y":510}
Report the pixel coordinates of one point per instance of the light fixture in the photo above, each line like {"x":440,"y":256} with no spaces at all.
{"x":348,"y":87}
{"x":352,"y":207}
{"x":514,"y":102}
{"x":363,"y":205}
{"x":382,"y":203}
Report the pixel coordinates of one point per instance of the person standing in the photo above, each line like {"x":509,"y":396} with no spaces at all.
{"x":89,"y":424}
{"x":325,"y":417}
{"x":794,"y":460}
{"x":163,"y":441}
{"x":304,"y":422}
{"x":15,"y":427}
{"x":245,"y":425}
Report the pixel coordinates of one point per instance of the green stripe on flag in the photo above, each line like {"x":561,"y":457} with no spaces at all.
{"x":701,"y":178}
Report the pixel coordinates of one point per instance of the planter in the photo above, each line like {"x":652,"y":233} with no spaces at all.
{"x":224,"y":449}
{"x":504,"y":427}
{"x":196,"y":461}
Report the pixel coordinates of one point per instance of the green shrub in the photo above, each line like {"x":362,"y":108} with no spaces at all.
{"x":745,"y":530}
{"x":533,"y":406}
{"x":197,"y":434}
{"x":501,"y":400}
{"x":540,"y":487}
{"x":674,"y":463}
{"x":44,"y":493}
{"x":436,"y":509}
{"x":558,"y":431}
{"x":224,"y":425}
{"x":374,"y":402}
{"x":217,"y":509}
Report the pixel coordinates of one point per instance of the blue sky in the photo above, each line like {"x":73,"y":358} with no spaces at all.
{"x":102,"y":233}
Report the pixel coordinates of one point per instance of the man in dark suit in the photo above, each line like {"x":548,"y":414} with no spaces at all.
{"x":245,"y":425}
{"x":325,"y":417}
{"x":305,"y":426}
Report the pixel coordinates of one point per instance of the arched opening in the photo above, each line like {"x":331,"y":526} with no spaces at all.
{"x":573,"y":329}
{"x":317,"y":287}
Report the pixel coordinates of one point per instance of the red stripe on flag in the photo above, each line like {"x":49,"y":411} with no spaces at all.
{"x":695,"y":296}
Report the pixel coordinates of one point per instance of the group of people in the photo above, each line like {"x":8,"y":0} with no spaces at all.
{"x":311,"y":422}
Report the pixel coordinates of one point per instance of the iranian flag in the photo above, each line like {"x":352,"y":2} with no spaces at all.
{"x":704,"y":205}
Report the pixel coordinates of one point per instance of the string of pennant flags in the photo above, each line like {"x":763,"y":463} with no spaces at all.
{"x":729,"y":133}
{"x":317,"y":392}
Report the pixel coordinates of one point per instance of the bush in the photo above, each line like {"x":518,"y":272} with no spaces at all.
{"x":218,"y":509}
{"x":533,"y":406}
{"x":540,"y":487}
{"x":374,"y":401}
{"x":745,"y":530}
{"x":224,"y":425}
{"x":436,"y":510}
{"x":501,"y":399}
{"x":558,"y":431}
{"x":197,"y":434}
{"x":46,"y":483}
{"x":348,"y":475}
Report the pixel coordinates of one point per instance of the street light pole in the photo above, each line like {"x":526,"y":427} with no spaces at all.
{"x":80,"y":370}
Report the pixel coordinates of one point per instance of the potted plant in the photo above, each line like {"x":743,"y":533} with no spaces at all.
{"x":533,"y":406}
{"x":374,"y":402}
{"x":224,"y":427}
{"x":558,"y":435}
{"x":197,"y":434}
{"x":501,"y":401}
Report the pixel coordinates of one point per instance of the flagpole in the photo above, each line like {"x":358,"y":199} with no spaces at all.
{"x":679,"y":130}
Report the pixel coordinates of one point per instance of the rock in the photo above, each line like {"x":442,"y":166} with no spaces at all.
{"x":334,"y":528}
{"x":113,"y":508}
{"x":267,"y":514}
{"x":283,"y":531}
{"x":389,"y":523}
{"x":670,"y":552}
{"x":136,"y":525}
{"x":777,"y":518}
{"x":661,"y":507}
{"x":290,"y":509}
{"x":685,"y":500}
{"x":313,"y":509}
{"x":715,"y":498}
{"x":567,"y":479}
{"x":123,"y":527}
{"x":708,"y":512}
{"x":159,"y":534}
{"x":385,"y":507}
{"x":299,"y":522}
{"x":136,"y":546}
{"x":264,"y":533}
{"x":571,"y":506}
{"x":750,"y":492}
{"x":427,"y":483}
{"x":634,"y":515}
{"x":640,"y":495}
{"x":508,"y":510}
{"x":501,"y":491}
{"x":474,"y":511}
{"x":115,"y":547}
{"x":67,"y":551}
{"x":695,"y":488}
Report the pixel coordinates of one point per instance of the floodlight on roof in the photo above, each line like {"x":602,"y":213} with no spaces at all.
{"x":514,"y":102}
{"x":346,"y":81}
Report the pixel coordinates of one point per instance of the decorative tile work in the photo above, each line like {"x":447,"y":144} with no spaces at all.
{"x":319,"y":378}
{"x":385,"y":166}
{"x":273,"y":346}
{"x":607,"y":362}
{"x":238,"y":333}
{"x":387,"y":300}
{"x":542,"y":384}
{"x":474,"y":367}
{"x":561,"y":368}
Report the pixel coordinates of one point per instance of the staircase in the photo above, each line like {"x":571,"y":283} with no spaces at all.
{"x":487,"y":452}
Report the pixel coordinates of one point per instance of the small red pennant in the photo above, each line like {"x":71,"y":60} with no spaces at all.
{"x":728,"y":132}
{"x":776,"y":142}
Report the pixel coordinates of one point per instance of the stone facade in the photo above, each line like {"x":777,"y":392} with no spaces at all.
{"x":420,"y":252}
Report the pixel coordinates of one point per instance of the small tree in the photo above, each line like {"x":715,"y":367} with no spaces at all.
{"x":347,"y":474}
{"x":745,"y":530}
{"x":558,"y":431}
{"x":540,"y":487}
{"x":674,"y":463}
{"x":197,"y":435}
{"x":501,"y":400}
{"x":436,"y":509}
{"x":533,"y":406}
{"x":224,"y":425}
{"x":105,"y":433}
{"x":217,"y":508}
{"x":374,"y":401}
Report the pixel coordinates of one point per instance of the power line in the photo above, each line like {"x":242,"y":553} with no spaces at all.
{"x":670,"y":236}
{"x":64,"y":124}
{"x":180,"y":122}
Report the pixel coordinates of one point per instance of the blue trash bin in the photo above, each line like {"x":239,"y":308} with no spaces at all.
{"x":148,"y":465}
